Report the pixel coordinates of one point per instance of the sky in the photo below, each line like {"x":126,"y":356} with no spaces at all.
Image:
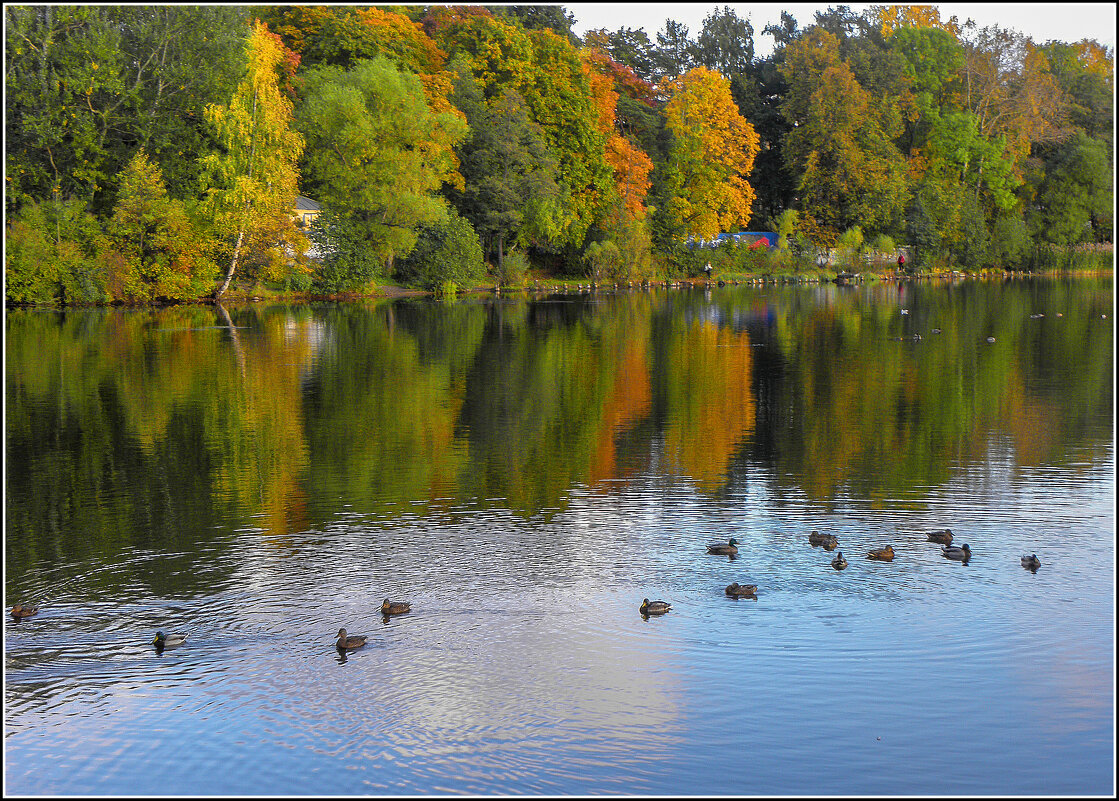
{"x":1042,"y":22}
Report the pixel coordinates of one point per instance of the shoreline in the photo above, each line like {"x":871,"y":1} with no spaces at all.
{"x":583,"y":285}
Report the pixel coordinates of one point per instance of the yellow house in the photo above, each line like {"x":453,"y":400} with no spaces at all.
{"x":306,"y":210}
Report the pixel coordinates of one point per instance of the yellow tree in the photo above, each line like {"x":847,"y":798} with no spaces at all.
{"x":712,"y":153}
{"x":890,"y":18}
{"x":255,"y":181}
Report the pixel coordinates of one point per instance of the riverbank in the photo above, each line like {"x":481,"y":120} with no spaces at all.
{"x":545,"y":283}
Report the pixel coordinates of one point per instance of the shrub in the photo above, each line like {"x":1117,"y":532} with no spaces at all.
{"x":51,"y":255}
{"x":514,"y":270}
{"x":445,"y":252}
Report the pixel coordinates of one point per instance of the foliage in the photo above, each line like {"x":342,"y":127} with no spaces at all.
{"x":712,"y":154}
{"x":86,"y":86}
{"x":377,"y":154}
{"x":50,"y":255}
{"x":969,"y":146}
{"x":156,"y":254}
{"x":510,"y":190}
{"x":348,"y":263}
{"x":446,"y":252}
{"x":253,"y":182}
{"x":513,"y":270}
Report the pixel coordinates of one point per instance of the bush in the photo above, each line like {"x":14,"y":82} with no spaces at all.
{"x":349,"y":264}
{"x":51,"y":255}
{"x":445,"y":252}
{"x":512,"y":273}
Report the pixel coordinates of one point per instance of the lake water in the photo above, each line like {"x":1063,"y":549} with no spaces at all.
{"x":525,"y":471}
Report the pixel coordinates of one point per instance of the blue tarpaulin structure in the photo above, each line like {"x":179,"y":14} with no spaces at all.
{"x":743,"y":238}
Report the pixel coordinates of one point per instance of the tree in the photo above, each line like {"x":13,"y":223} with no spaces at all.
{"x":850,"y":171}
{"x":446,"y":252}
{"x":157,"y":253}
{"x":377,"y":154}
{"x":712,"y":154}
{"x":255,"y":178}
{"x":627,"y":46}
{"x":87,"y":85}
{"x":510,"y":175}
{"x":675,"y":53}
{"x":725,"y":43}
{"x":1076,"y":197}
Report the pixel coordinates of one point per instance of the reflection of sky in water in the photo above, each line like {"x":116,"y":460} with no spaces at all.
{"x":525,"y":666}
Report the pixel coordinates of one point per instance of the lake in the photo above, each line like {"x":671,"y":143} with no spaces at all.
{"x":525,"y":471}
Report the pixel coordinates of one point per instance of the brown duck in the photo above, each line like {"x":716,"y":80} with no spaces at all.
{"x":351,"y":642}
{"x":882,"y":554}
{"x":395,"y":607}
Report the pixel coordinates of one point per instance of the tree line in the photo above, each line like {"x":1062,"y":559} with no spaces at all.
{"x":155,"y":153}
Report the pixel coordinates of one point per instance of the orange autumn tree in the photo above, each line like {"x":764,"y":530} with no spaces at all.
{"x":630,"y":164}
{"x":712,"y":153}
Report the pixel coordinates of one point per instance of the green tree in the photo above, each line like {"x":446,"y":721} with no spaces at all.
{"x":86,"y":85}
{"x":377,"y":154}
{"x":510,"y":184}
{"x":725,"y":43}
{"x":157,"y":254}
{"x":446,"y":252}
{"x":1076,"y":196}
{"x":255,"y":178}
{"x":675,"y":52}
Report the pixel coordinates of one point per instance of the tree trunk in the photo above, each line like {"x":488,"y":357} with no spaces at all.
{"x":232,"y":266}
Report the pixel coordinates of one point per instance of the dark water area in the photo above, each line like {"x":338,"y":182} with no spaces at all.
{"x":525,"y":471}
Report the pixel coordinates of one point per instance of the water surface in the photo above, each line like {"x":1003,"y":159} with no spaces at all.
{"x":525,"y":471}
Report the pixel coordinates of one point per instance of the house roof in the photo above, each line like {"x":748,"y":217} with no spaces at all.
{"x":306,"y":204}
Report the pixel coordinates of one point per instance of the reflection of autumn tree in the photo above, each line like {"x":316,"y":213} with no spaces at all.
{"x":861,"y":413}
{"x":383,"y":405}
{"x":709,"y":408}
{"x":154,"y":431}
{"x":629,"y":402}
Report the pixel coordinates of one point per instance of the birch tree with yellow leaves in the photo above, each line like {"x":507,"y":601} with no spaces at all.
{"x":254,"y":182}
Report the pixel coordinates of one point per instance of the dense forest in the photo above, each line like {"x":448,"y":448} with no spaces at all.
{"x":155,"y":153}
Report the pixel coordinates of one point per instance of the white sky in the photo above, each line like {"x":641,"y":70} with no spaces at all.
{"x":1042,"y":22}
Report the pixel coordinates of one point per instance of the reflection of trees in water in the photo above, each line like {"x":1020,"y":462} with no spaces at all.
{"x":144,"y":428}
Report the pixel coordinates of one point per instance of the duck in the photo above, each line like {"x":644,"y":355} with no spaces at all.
{"x":395,"y":607}
{"x":839,"y":562}
{"x":829,"y":541}
{"x":882,"y":554}
{"x":942,"y":535}
{"x":737,"y":590}
{"x":349,"y":643}
{"x":654,"y":607}
{"x":20,"y":611}
{"x":962,"y":553}
{"x":729,"y":549}
{"x":1031,"y":562}
{"x":164,"y":641}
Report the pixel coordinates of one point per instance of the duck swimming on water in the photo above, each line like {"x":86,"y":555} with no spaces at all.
{"x":728,"y":549}
{"x":349,"y":642}
{"x":961,"y":554}
{"x":882,"y":554}
{"x":654,"y":607}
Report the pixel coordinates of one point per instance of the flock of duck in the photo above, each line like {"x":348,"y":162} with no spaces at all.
{"x":164,"y":642}
{"x":829,"y":542}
